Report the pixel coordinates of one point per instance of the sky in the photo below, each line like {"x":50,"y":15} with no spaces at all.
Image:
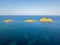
{"x":29,"y":7}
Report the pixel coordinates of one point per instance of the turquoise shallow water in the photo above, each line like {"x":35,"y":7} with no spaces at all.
{"x":19,"y":32}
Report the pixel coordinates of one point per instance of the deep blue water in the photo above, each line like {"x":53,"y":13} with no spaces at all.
{"x":19,"y":32}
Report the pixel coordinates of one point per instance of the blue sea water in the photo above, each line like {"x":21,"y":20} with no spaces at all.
{"x":19,"y":32}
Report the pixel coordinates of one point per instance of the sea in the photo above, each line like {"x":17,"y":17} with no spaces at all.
{"x":19,"y":32}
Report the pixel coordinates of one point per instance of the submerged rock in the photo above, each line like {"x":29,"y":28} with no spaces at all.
{"x":8,"y":20}
{"x":46,"y":20}
{"x":30,"y":21}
